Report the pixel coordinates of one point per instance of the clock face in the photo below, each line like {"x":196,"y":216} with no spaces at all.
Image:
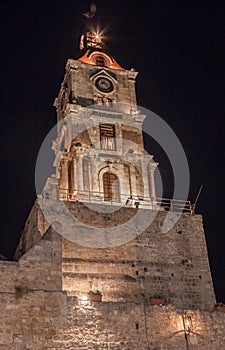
{"x":104,"y":85}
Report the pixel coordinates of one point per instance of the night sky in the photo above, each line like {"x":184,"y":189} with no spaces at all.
{"x":178,"y":49}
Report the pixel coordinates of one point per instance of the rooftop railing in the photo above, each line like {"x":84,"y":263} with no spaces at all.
{"x":161,"y":204}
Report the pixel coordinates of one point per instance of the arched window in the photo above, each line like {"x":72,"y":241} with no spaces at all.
{"x":111,"y":187}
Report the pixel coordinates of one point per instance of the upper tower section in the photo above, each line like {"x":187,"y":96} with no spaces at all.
{"x":99,"y":150}
{"x":93,"y":76}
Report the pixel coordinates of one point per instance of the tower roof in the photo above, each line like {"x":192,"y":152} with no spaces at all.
{"x":98,"y":57}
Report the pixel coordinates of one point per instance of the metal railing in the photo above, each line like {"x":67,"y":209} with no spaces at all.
{"x":163,"y":204}
{"x":177,"y":205}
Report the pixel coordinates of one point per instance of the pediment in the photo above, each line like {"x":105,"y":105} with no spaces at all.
{"x":103,"y":73}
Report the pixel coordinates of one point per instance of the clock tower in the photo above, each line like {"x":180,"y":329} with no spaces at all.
{"x":100,"y":156}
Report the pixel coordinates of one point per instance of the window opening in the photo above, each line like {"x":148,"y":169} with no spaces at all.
{"x":107,"y":136}
{"x":99,"y":60}
{"x":111,"y":187}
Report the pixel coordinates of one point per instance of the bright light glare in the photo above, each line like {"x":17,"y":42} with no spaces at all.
{"x":188,"y":323}
{"x":99,"y":33}
{"x":84,"y":298}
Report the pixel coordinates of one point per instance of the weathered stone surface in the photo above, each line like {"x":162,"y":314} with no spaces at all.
{"x":41,"y":305}
{"x":173,"y":265}
{"x":51,"y":320}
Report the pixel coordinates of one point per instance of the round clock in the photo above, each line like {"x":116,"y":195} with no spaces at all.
{"x":104,"y":85}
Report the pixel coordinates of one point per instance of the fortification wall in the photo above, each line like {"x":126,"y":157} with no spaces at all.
{"x":35,"y":227}
{"x":174,"y":264}
{"x":38,"y":269}
{"x":41,"y":294}
{"x":42,"y":320}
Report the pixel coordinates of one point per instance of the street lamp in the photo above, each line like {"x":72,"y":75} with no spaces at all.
{"x":187,"y":322}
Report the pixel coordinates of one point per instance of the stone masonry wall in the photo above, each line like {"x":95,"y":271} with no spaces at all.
{"x":174,"y":265}
{"x":35,"y":227}
{"x":42,"y":320}
{"x":38,"y":269}
{"x":41,"y":294}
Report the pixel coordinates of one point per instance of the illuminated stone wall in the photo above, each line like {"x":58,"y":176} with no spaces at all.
{"x":41,"y":294}
{"x":41,"y":320}
{"x":35,"y":227}
{"x":174,"y":265}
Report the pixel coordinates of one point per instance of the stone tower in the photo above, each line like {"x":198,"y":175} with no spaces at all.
{"x":99,"y":149}
{"x":103,"y":190}
{"x":104,"y":179}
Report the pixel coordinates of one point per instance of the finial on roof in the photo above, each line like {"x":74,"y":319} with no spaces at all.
{"x":91,"y":37}
{"x":91,"y":13}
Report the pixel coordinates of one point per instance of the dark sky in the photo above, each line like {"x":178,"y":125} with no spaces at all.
{"x":178,"y":48}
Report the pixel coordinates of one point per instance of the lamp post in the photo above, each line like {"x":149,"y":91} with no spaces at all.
{"x":187,"y":322}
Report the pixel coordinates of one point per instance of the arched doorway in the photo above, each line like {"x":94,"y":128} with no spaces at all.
{"x":111,"y":187}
